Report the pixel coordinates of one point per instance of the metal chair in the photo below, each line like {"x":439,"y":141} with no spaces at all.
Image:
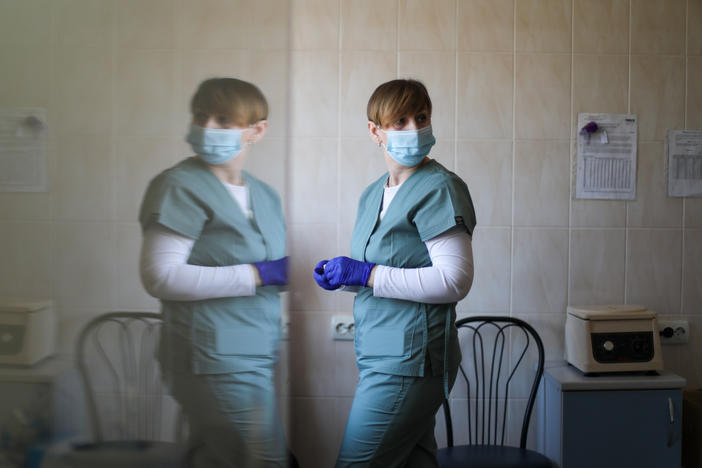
{"x":494,"y":352}
{"x":126,"y":400}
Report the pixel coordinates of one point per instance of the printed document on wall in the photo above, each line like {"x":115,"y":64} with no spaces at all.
{"x":606,"y":158}
{"x":684,"y":163}
{"x":23,"y":149}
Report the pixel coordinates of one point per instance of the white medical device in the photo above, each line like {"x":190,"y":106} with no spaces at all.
{"x":27,"y":331}
{"x":612,"y":338}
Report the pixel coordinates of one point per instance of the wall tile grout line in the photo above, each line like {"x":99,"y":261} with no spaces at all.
{"x":684,"y":200}
{"x":398,"y":6}
{"x":53,"y":259}
{"x":514,"y":156}
{"x":115,"y":50}
{"x":285,"y":354}
{"x":627,"y":203}
{"x":339,"y":79}
{"x":455,"y":88}
{"x":340,"y":23}
{"x":571,"y":155}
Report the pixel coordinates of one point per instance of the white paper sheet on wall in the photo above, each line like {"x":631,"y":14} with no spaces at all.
{"x":23,"y":133}
{"x":606,"y":158}
{"x":684,"y":163}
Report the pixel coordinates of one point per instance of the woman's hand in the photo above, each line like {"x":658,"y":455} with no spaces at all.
{"x":342,"y":271}
{"x":270,"y":273}
{"x":319,"y":275}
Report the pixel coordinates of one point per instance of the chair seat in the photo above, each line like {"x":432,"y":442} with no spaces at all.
{"x":491,"y":456}
{"x":120,"y":454}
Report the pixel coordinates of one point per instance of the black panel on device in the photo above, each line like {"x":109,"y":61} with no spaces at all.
{"x":622,"y":347}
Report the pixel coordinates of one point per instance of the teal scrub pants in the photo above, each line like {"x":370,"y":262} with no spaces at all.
{"x":391,"y":423}
{"x":233,"y":419}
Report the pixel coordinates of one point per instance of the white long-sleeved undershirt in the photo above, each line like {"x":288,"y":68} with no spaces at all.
{"x":166,"y":274}
{"x":448,"y":279}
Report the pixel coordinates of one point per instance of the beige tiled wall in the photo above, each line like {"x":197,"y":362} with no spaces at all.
{"x":115,"y":77}
{"x":507,"y":79}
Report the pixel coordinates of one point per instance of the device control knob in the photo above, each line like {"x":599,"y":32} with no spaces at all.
{"x":608,"y":345}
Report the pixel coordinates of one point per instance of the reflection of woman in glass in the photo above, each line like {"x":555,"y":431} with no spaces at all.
{"x":213,"y":252}
{"x":411,"y":259}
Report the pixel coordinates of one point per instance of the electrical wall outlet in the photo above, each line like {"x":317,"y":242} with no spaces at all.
{"x":284,"y":326}
{"x":284,"y":316}
{"x":342,"y":327}
{"x":674,"y":331}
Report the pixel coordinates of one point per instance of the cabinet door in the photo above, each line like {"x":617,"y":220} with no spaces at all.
{"x":621,"y":429}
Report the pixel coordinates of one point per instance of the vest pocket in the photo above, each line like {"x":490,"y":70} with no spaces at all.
{"x":246,"y":342}
{"x":384,"y":341}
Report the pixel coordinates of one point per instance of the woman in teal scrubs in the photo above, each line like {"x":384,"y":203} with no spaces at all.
{"x":214,"y":254}
{"x":411,"y":261}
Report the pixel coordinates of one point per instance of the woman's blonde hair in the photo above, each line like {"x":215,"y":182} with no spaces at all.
{"x":392,"y":100}
{"x":242,"y":102}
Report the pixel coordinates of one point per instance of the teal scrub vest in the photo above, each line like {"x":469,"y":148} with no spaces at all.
{"x":394,"y":336}
{"x":232,"y":334}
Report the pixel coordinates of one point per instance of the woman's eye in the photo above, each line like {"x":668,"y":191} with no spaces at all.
{"x":400,"y":123}
{"x":421,"y":118}
{"x":222,"y":120}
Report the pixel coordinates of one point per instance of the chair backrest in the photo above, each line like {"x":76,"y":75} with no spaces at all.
{"x":126,"y":398}
{"x":494,"y":360}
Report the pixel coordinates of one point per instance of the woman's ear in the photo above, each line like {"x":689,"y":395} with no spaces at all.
{"x":374,"y":134}
{"x":259,"y":129}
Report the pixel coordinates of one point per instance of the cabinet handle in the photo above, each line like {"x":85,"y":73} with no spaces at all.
{"x":672,"y":422}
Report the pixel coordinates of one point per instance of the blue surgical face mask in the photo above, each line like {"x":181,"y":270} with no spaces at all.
{"x":215,"y":145}
{"x":409,"y":147}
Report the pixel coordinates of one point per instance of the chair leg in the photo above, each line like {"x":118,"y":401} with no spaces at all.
{"x":292,"y":461}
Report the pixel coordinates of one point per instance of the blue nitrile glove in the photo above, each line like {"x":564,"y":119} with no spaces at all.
{"x":274,"y":272}
{"x":319,"y":275}
{"x":345,"y":271}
